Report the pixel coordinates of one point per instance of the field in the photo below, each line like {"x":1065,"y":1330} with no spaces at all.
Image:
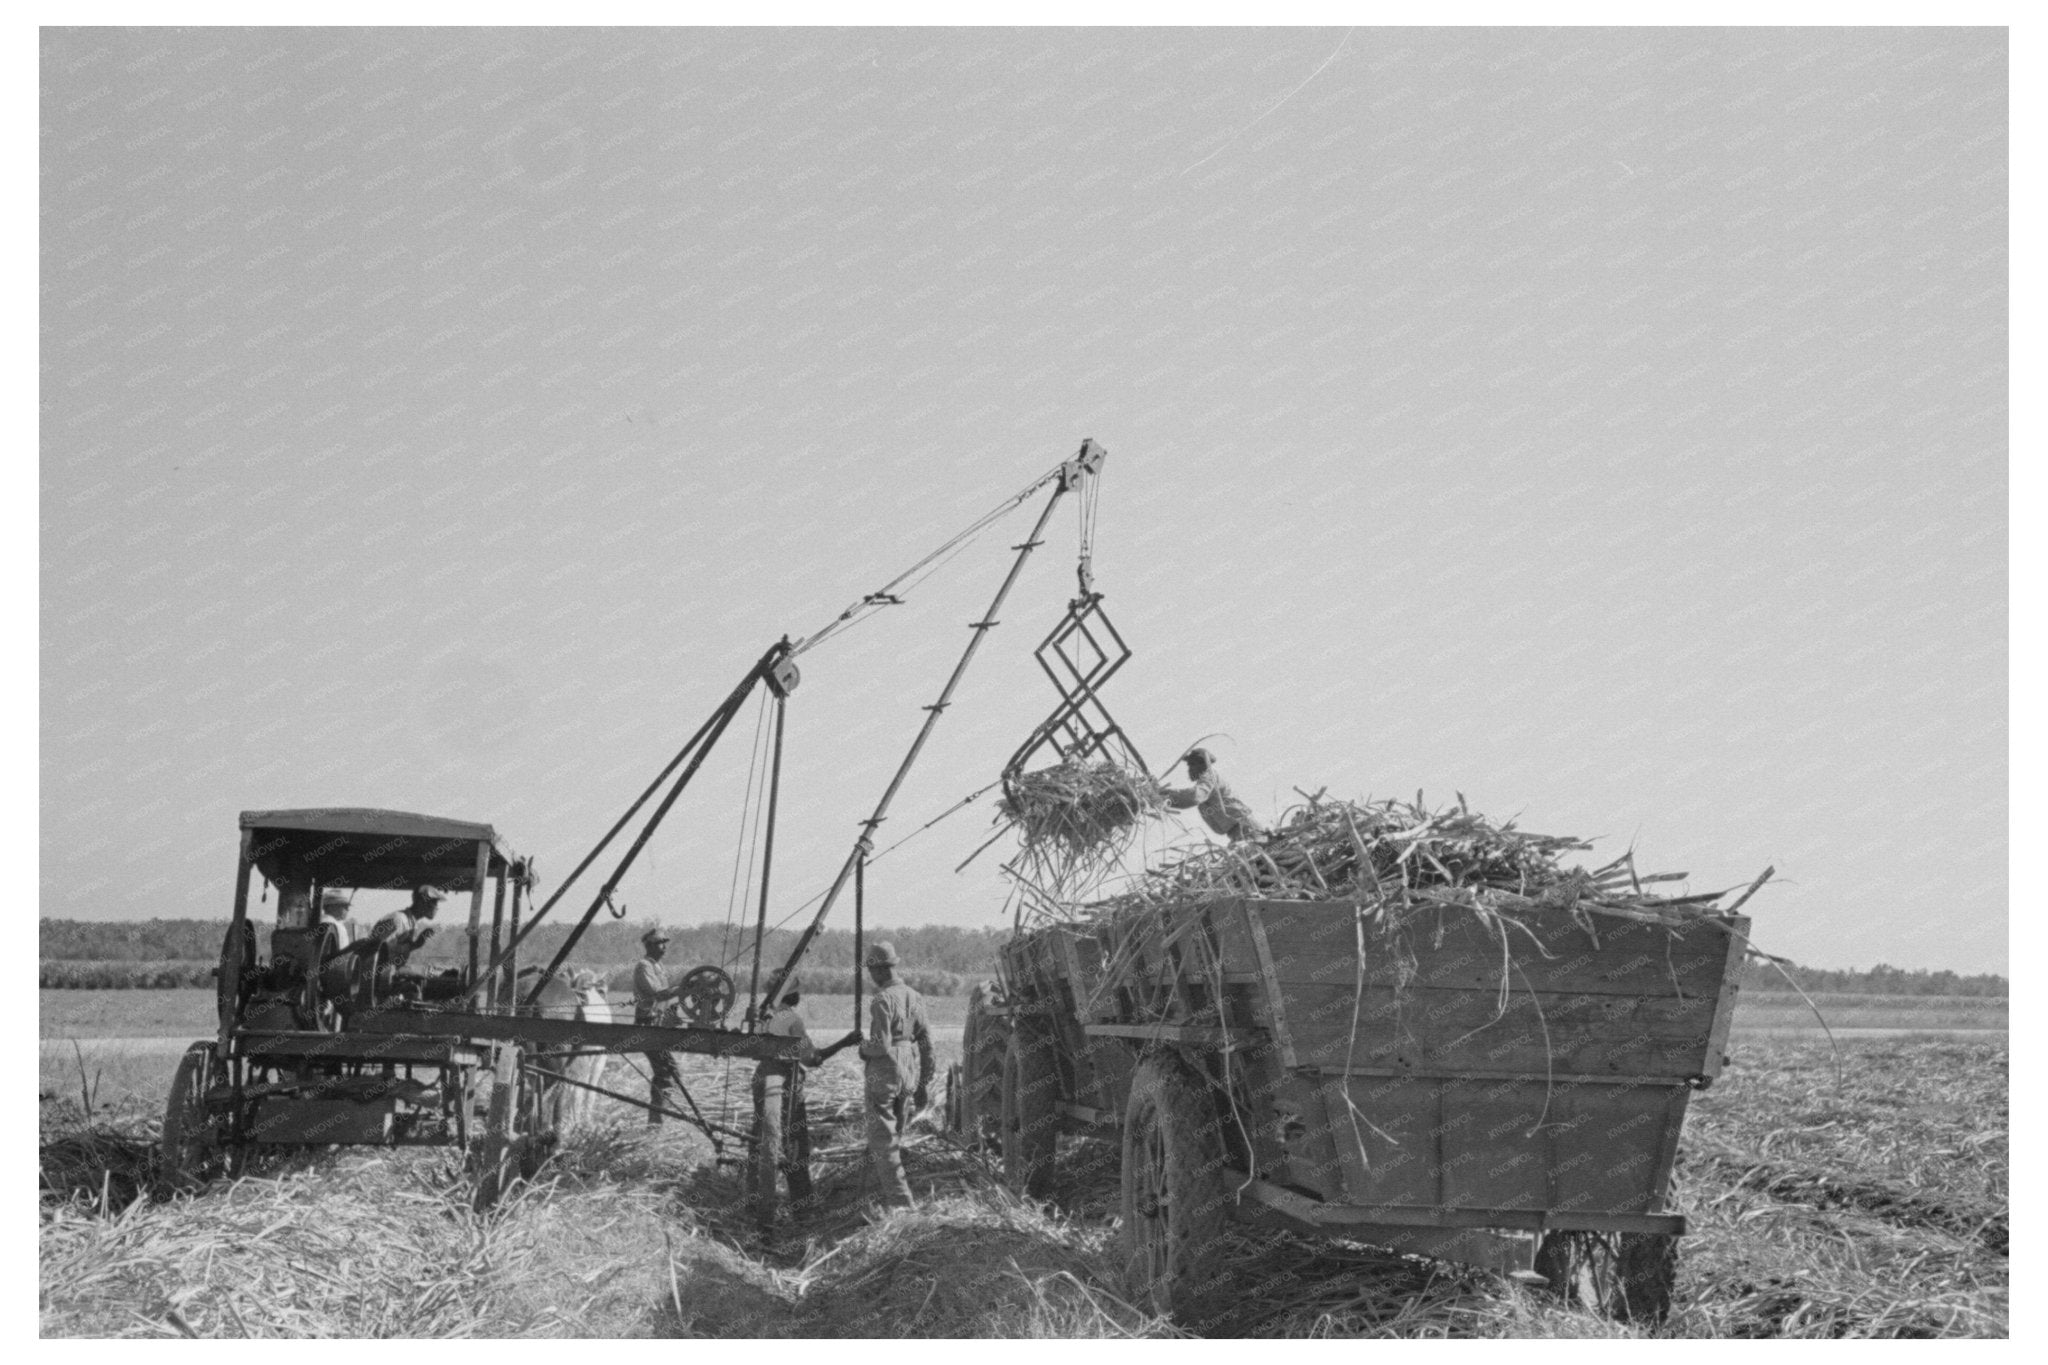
{"x":1870,"y":1205}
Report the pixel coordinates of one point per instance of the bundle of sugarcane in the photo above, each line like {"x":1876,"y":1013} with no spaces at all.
{"x":1403,"y":855}
{"x":1074,"y":820}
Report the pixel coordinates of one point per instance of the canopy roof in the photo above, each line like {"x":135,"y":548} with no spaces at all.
{"x":354,"y":847}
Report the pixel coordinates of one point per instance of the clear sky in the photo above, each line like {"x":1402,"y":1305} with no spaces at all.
{"x":1607,"y":425}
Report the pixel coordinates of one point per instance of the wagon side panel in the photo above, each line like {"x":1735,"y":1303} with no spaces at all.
{"x":1418,"y":1081}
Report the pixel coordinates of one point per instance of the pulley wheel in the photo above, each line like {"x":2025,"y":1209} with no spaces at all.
{"x":705,"y":996}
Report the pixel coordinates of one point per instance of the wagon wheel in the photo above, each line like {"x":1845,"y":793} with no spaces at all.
{"x":191,"y":1142}
{"x":1627,"y":1276}
{"x":231,"y":987}
{"x":983,"y":1045}
{"x":705,"y":996}
{"x":1030,"y":1113}
{"x":1175,"y":1202}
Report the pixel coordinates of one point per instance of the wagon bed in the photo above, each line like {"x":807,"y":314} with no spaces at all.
{"x":1503,"y":1092}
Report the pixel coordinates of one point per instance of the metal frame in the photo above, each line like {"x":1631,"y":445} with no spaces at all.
{"x":1080,"y":726}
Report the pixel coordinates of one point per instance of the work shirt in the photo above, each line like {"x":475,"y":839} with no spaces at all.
{"x":787,"y":1023}
{"x":403,"y":932}
{"x":1220,"y":809}
{"x":897,"y":1038}
{"x":650,"y":990}
{"x":344,"y":930}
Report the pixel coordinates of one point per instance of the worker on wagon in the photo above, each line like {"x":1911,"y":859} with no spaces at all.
{"x":651,"y":987}
{"x":1211,"y":795}
{"x":896,"y":1039}
{"x":334,"y":911}
{"x":405,"y":932}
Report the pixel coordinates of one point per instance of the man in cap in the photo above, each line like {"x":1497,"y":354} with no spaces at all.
{"x":895,"y":1040}
{"x":334,"y":911}
{"x":1211,"y":795}
{"x":651,"y":987}
{"x":782,"y":1127}
{"x":405,"y":932}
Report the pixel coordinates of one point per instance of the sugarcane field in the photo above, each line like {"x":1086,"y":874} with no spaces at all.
{"x":1098,"y":683}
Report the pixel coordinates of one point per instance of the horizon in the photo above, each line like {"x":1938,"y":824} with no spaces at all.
{"x":719,"y":926}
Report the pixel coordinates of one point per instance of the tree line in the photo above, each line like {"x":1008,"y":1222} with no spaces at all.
{"x":937,"y":958}
{"x":1882,"y":979}
{"x":160,"y":953}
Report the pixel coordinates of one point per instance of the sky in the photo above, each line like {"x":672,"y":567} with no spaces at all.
{"x":1608,"y":426}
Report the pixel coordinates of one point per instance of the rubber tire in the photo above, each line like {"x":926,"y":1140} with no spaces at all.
{"x":1031,"y":1114}
{"x":984,"y":1045}
{"x":190,"y":1146}
{"x":1627,"y":1276}
{"x":1176,"y":1199}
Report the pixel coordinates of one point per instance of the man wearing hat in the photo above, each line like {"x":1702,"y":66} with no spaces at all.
{"x":651,"y":987}
{"x":896,"y":1040}
{"x":1211,"y":795}
{"x":334,"y":911}
{"x":405,"y":932}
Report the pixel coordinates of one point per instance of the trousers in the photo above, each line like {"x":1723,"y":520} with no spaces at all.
{"x":887,"y":1099}
{"x":782,"y":1137}
{"x":663,"y":1078}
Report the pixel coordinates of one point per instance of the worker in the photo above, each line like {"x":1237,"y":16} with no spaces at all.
{"x":334,"y":911}
{"x":782,"y":1127}
{"x":895,"y":1027}
{"x":1211,"y":795}
{"x":405,"y":932}
{"x":650,"y":988}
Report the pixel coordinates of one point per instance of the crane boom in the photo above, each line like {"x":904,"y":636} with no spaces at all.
{"x":1069,"y":477}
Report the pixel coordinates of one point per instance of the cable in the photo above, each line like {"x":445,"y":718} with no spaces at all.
{"x":953,"y":809}
{"x":1087,"y":504}
{"x":965,"y":545}
{"x":746,"y":811}
{"x":756,"y":801}
{"x":886,"y":596}
{"x":736,"y":898}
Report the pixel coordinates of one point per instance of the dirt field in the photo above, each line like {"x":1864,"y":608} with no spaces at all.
{"x":1872,"y":1206}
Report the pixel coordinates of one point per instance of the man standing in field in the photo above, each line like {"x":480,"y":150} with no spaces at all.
{"x":782,"y":1126}
{"x":1211,"y":795}
{"x":896,"y":1039}
{"x":650,"y":988}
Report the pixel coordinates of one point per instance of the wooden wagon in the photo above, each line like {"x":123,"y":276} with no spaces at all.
{"x":1507,"y":1095}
